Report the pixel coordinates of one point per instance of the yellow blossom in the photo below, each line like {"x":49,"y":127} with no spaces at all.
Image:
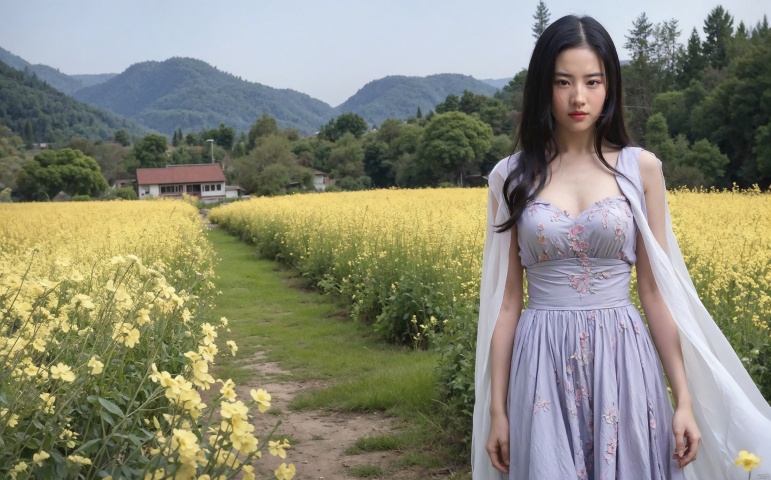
{"x":262,"y":398}
{"x":62,"y":372}
{"x":228,"y":390}
{"x":13,"y":418}
{"x":276,"y":448}
{"x":209,"y":333}
{"x":748,"y":461}
{"x":17,"y":469}
{"x":143,"y":317}
{"x":233,"y":347}
{"x":95,"y":365}
{"x":83,"y":300}
{"x":79,"y":460}
{"x":40,"y":457}
{"x":284,"y":472}
{"x":233,"y":409}
{"x":248,"y":472}
{"x":48,"y":402}
{"x":39,"y":344}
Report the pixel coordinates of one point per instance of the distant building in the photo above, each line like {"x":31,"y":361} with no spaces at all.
{"x":122,"y":183}
{"x":205,"y":181}
{"x":321,"y":180}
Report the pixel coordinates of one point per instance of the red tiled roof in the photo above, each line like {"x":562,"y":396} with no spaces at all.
{"x":205,"y":172}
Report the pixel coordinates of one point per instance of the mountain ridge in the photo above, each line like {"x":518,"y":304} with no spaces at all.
{"x":26,"y":101}
{"x":188,"y":93}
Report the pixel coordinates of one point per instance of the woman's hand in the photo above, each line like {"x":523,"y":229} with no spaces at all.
{"x":498,"y":442}
{"x":687,"y":436}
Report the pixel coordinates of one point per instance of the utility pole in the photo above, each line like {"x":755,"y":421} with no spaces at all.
{"x":211,"y":142}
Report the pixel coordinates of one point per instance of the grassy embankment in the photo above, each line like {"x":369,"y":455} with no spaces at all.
{"x":313,"y":338}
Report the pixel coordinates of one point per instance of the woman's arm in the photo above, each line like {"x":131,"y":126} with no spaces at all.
{"x":501,"y":347}
{"x":662,"y":326}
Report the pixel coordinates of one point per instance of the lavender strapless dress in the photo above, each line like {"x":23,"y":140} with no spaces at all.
{"x":587,"y":397}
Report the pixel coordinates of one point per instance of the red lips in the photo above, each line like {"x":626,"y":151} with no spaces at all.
{"x":578,"y":115}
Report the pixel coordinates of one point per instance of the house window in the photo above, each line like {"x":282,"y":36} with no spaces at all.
{"x":207,"y":188}
{"x":172,"y":188}
{"x":219,"y":186}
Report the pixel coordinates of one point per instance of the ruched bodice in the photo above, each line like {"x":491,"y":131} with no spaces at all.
{"x":604,"y":230}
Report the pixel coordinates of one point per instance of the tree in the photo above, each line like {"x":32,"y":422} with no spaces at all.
{"x":666,"y":52}
{"x":378,"y":163}
{"x":657,"y":139}
{"x":352,"y":123}
{"x":29,"y":136}
{"x":150,"y":151}
{"x":640,"y":79}
{"x":638,"y":40}
{"x":450,"y":104}
{"x":64,"y":170}
{"x":270,"y":168}
{"x":719,"y":28}
{"x":263,"y":127}
{"x":692,"y":60}
{"x":346,"y":159}
{"x":454,"y":143}
{"x":122,"y":138}
{"x":707,"y":158}
{"x":762,"y":150}
{"x":541,"y":18}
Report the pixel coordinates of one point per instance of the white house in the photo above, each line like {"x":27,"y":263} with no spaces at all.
{"x":321,"y":180}
{"x":205,"y":181}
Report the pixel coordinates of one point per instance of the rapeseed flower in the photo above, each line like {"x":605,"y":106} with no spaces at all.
{"x":284,"y":472}
{"x":262,"y":398}
{"x":62,"y":372}
{"x":747,"y":461}
{"x":40,"y":457}
{"x":95,"y":365}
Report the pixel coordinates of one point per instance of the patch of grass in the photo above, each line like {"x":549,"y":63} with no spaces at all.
{"x":382,"y":443}
{"x":305,"y":333}
{"x":365,"y":471}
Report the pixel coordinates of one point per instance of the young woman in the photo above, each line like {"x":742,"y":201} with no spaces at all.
{"x":572,"y":387}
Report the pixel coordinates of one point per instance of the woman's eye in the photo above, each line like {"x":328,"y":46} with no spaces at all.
{"x":593,"y":83}
{"x":562,"y":83}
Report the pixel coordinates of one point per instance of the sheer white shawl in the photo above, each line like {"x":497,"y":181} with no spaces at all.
{"x":729,"y":409}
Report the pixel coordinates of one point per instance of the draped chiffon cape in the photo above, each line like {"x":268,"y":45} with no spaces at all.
{"x":730,"y":411}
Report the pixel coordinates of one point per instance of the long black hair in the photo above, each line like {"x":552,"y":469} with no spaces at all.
{"x":535,"y":133}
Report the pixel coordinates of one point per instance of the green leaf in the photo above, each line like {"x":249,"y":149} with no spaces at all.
{"x":107,"y":418}
{"x":110,"y":407}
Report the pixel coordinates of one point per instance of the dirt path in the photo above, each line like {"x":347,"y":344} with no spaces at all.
{"x":320,"y":438}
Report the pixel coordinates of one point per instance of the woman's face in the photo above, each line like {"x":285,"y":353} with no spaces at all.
{"x":578,"y":90}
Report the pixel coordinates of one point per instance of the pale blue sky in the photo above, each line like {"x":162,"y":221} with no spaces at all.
{"x":327,"y":49}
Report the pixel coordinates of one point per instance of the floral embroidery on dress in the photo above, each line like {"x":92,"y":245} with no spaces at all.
{"x":540,"y":404}
{"x":611,"y":418}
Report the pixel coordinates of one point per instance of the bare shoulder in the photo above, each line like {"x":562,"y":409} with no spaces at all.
{"x":650,"y":169}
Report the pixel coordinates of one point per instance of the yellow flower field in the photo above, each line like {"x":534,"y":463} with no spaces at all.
{"x":106,"y":348}
{"x":409,"y":261}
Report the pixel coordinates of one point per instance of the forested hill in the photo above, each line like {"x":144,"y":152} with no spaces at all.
{"x":400,"y":96}
{"x":41,"y":113}
{"x":192,"y":95}
{"x":60,"y":81}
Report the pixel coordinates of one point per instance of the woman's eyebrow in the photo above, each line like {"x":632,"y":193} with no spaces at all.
{"x":568,"y":75}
